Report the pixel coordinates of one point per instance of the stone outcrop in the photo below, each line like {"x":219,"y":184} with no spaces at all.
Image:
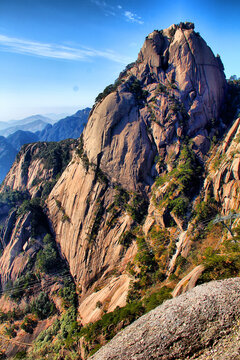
{"x":223,"y":180}
{"x":35,"y":165}
{"x":92,"y":249}
{"x":175,"y":88}
{"x":14,"y":260}
{"x":137,"y":130}
{"x":182,"y":328}
{"x":25,"y":169}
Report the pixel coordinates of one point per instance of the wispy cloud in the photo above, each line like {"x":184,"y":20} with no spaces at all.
{"x":118,"y":11}
{"x":55,"y":51}
{"x":133,"y":17}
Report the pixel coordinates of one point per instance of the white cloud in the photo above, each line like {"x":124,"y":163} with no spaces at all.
{"x":54,"y":51}
{"x":118,"y":11}
{"x":133,"y":17}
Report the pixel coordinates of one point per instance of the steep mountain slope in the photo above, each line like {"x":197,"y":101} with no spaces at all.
{"x":30,"y":119}
{"x":153,"y":108}
{"x":130,"y":212}
{"x":37,"y":165}
{"x":69,"y":127}
{"x":7,"y":156}
{"x":223,"y":179}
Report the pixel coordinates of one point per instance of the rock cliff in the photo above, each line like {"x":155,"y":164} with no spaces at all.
{"x":130,"y":201}
{"x":173,"y":91}
{"x":37,"y":164}
{"x":223,"y":178}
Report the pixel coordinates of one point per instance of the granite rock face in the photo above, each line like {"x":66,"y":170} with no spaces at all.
{"x":174,"y":89}
{"x":223,"y":180}
{"x":36,"y":164}
{"x":182,"y":328}
{"x":184,"y":86}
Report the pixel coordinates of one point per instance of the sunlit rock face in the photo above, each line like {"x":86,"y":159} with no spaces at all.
{"x":173,"y":92}
{"x":175,"y":89}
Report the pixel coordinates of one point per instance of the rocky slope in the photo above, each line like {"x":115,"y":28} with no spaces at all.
{"x":224,"y":171}
{"x":70,"y":127}
{"x":130,"y":212}
{"x":24,"y":223}
{"x":173,"y":91}
{"x":208,"y":313}
{"x":37,"y":164}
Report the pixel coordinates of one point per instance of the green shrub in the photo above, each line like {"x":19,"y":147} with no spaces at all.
{"x":145,"y":258}
{"x":126,"y":238}
{"x":221,"y":264}
{"x":23,"y":284}
{"x":55,"y":155}
{"x":13,"y":197}
{"x":82,"y":154}
{"x":161,"y":89}
{"x":157,"y":298}
{"x":108,"y":90}
{"x":179,"y":206}
{"x":20,"y":355}
{"x":69,"y":326}
{"x":206,"y":210}
{"x":135,"y":87}
{"x":10,"y":331}
{"x":107,"y":326}
{"x":47,"y":258}
{"x":28,"y":325}
{"x":137,"y":208}
{"x":42,"y":306}
{"x":68,"y":294}
{"x":179,"y":190}
{"x":97,"y":221}
{"x":47,"y":188}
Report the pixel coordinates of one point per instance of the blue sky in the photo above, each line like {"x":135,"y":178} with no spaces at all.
{"x":57,"y":55}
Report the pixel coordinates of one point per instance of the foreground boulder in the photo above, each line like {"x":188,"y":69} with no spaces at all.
{"x":186,"y":327}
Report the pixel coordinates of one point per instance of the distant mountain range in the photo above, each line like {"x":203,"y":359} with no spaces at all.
{"x":5,"y":125}
{"x":7,"y":157}
{"x":50,"y":118}
{"x":20,"y":138}
{"x":36,"y":125}
{"x":69,"y":127}
{"x":36,"y":128}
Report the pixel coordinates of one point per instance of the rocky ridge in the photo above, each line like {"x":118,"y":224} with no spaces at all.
{"x":166,"y":95}
{"x":129,"y":212}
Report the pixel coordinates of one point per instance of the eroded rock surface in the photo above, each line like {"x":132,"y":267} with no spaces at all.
{"x":172,"y":92}
{"x":181,"y":328}
{"x":223,"y":180}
